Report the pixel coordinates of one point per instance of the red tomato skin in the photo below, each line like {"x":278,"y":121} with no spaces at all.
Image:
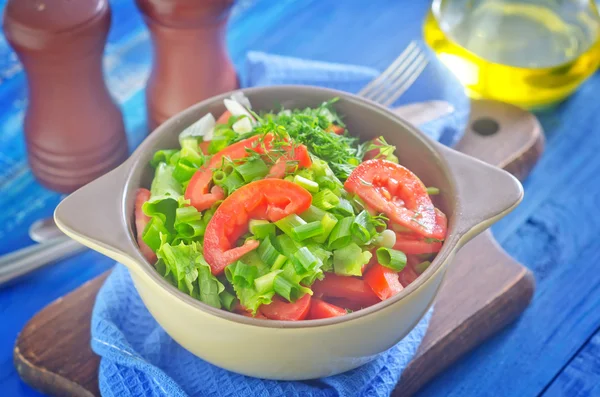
{"x":371,"y":154}
{"x":336,"y":129}
{"x":395,"y":191}
{"x":281,"y":309}
{"x":321,"y":309}
{"x":383,"y":281}
{"x":299,"y":154}
{"x":412,"y":244}
{"x":224,"y":118}
{"x":197,"y":190}
{"x":407,"y":275}
{"x":141,"y":220}
{"x":204,"y":147}
{"x":350,"y":288}
{"x":270,"y":199}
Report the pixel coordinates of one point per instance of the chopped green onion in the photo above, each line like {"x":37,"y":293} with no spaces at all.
{"x":304,"y":260}
{"x":344,"y":208}
{"x":421,"y":267}
{"x":313,"y":214}
{"x":323,"y":255}
{"x":325,"y":199}
{"x":162,"y":156}
{"x":233,"y":182}
{"x":349,"y":260}
{"x":391,"y":258}
{"x":283,"y":287}
{"x":228,"y":167}
{"x":309,"y":185}
{"x":252,"y":169}
{"x":265,"y":283}
{"x":362,"y":228}
{"x":227,"y":300}
{"x":308,"y":230}
{"x":261,"y":228}
{"x":387,"y":239}
{"x":286,"y":245}
{"x":153,"y":232}
{"x":328,"y":221}
{"x":288,"y":283}
{"x":241,"y":273}
{"x":341,"y":234}
{"x":188,"y":222}
{"x":432,"y":191}
{"x":288,"y":224}
{"x":279,"y":262}
{"x":218,"y":177}
{"x":267,"y":252}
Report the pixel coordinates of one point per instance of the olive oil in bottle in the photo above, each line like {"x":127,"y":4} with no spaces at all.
{"x":528,"y":53}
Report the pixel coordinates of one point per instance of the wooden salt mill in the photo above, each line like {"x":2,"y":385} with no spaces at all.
{"x":73,"y":129}
{"x":190,"y":56}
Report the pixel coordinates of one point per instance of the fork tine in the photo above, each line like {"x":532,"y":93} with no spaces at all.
{"x":366,"y":91}
{"x":383,"y":89}
{"x":397,"y":91}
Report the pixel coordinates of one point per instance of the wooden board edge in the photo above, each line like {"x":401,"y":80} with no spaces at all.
{"x":53,"y":384}
{"x":519,"y":294}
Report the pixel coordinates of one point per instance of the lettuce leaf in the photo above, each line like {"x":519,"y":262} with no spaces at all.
{"x":190,"y":272}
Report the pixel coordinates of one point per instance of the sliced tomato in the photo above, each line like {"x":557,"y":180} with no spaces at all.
{"x":141,"y":220}
{"x":336,"y":129}
{"x":383,"y":281}
{"x":224,"y":118}
{"x":297,"y":157}
{"x":371,"y":154}
{"x":204,"y":146}
{"x":347,"y":304}
{"x":398,"y":193}
{"x":322,"y":309}
{"x":281,"y":309}
{"x":198,"y":189}
{"x":350,"y":288}
{"x":408,"y":274}
{"x":270,"y":199}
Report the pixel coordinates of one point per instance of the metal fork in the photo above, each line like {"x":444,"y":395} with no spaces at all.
{"x":386,"y":88}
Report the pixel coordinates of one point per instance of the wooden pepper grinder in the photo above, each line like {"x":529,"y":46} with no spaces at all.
{"x":73,"y":129}
{"x":190,"y":56}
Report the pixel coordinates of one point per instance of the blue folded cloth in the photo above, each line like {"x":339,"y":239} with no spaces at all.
{"x":138,"y":356}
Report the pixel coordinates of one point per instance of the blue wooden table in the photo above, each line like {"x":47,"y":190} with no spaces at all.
{"x":554,"y":349}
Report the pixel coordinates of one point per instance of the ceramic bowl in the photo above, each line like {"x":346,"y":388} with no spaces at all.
{"x":474,"y":195}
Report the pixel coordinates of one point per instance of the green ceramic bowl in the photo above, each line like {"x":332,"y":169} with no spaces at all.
{"x":474,"y":195}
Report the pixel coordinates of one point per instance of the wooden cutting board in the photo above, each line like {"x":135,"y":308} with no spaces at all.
{"x":484,"y":289}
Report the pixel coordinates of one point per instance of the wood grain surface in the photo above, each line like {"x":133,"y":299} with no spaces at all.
{"x":483,"y":291}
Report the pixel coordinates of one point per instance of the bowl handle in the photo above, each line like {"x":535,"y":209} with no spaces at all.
{"x":485,"y":193}
{"x":94,"y":215}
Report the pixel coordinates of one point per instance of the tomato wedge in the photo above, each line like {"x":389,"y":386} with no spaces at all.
{"x":270,"y":199}
{"x":350,"y":288}
{"x":198,"y":189}
{"x":322,"y":309}
{"x":141,"y":220}
{"x":296,"y":158}
{"x":281,"y":309}
{"x":204,"y":147}
{"x":398,"y":193}
{"x":383,"y":281}
{"x":224,"y":118}
{"x":336,"y":129}
{"x":407,"y":275}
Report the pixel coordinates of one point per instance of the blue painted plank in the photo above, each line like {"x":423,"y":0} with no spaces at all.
{"x":581,"y":377}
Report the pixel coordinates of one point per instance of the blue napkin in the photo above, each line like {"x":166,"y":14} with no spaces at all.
{"x":140,"y":359}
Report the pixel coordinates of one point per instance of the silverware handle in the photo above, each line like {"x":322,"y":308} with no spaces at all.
{"x":26,"y":260}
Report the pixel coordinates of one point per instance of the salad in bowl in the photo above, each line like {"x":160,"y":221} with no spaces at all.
{"x":285,"y":215}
